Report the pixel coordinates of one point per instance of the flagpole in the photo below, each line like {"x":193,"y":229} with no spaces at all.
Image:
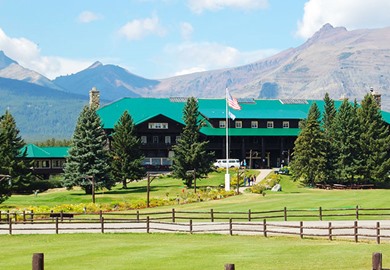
{"x":227,"y":175}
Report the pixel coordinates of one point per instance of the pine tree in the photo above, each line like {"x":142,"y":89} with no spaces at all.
{"x":190,"y":153}
{"x":12,"y":162}
{"x":331,"y":152}
{"x":375,"y":141}
{"x":126,"y":155}
{"x":346,"y":137}
{"x":308,"y":162}
{"x":88,"y":156}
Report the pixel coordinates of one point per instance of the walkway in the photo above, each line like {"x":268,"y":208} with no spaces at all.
{"x":262,"y":174}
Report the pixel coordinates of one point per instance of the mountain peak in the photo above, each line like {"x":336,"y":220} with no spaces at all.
{"x":95,"y":65}
{"x":5,"y":61}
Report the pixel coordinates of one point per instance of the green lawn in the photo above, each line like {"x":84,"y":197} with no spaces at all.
{"x":180,"y":251}
{"x":293,"y":196}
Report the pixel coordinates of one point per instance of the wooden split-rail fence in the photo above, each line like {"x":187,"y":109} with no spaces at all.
{"x":354,"y":223}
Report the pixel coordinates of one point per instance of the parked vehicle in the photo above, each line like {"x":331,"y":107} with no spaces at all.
{"x":223,"y":163}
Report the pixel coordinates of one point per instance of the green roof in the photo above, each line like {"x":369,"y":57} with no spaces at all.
{"x":142,"y":109}
{"x":34,"y":151}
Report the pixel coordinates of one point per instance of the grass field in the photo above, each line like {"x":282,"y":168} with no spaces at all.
{"x":292,"y":196}
{"x":180,"y":251}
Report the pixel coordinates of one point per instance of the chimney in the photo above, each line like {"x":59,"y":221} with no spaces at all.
{"x":94,"y":98}
{"x":377,"y":96}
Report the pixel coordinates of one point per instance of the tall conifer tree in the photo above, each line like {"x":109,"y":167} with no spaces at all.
{"x":12,"y":161}
{"x":190,"y":153}
{"x":126,"y":152}
{"x":308,"y":160}
{"x":375,"y":141}
{"x":88,"y":156}
{"x":346,"y":137}
{"x":330,"y":144}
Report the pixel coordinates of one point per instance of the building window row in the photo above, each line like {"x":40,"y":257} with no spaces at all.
{"x":156,"y":139}
{"x":158,"y":125}
{"x":254,"y":124}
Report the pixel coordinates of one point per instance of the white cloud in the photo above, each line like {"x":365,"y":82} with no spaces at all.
{"x":138,"y":29}
{"x":88,"y":16}
{"x":186,"y":30}
{"x":28,"y":55}
{"x":352,"y":14}
{"x":198,"y":6}
{"x":194,"y":57}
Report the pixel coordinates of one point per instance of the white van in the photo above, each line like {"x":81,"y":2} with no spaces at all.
{"x":222,"y":163}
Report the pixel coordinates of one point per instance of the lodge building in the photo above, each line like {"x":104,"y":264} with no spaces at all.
{"x":262,"y":133}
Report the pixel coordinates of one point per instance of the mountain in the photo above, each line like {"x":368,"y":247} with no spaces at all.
{"x":12,"y":70}
{"x":340,"y":62}
{"x":113,"y":82}
{"x":40,"y":112}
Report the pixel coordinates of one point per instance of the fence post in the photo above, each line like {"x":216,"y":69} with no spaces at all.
{"x":190,"y":226}
{"x":62,"y":215}
{"x":147,"y":224}
{"x":38,"y":261}
{"x":137,"y":216}
{"x":357,"y":212}
{"x":10,"y":226}
{"x":229,"y":266}
{"x":285,"y":213}
{"x":102,"y":224}
{"x":265,"y":228}
{"x":330,"y":230}
{"x":230,"y":226}
{"x":173,"y":215}
{"x":378,"y":233}
{"x":212,"y":215}
{"x":301,"y":229}
{"x":249,"y":215}
{"x":24,"y":217}
{"x":8,"y":216}
{"x":100,"y":215}
{"x":0,"y":216}
{"x":16,"y":217}
{"x":320,"y":211}
{"x":356,"y":231}
{"x":376,"y":261}
{"x":56,"y":225}
{"x":32,"y":216}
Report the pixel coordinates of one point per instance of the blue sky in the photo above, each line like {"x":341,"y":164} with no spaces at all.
{"x":163,"y":38}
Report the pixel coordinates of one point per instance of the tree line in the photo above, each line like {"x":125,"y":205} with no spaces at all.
{"x":349,"y":145}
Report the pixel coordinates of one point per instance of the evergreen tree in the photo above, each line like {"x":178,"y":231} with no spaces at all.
{"x":190,"y":153}
{"x":346,"y":139}
{"x":330,"y":144}
{"x":88,"y":156}
{"x":126,"y":155}
{"x":375,"y":141}
{"x":308,"y":162}
{"x":12,"y":161}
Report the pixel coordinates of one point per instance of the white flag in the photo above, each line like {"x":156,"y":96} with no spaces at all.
{"x":232,"y":116}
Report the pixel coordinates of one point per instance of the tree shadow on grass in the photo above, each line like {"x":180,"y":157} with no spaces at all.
{"x":130,"y":190}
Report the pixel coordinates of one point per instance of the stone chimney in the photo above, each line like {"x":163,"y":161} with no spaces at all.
{"x":377,"y":96}
{"x":94,"y":98}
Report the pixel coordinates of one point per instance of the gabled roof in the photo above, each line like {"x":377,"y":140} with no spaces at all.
{"x":142,"y":109}
{"x":34,"y":151}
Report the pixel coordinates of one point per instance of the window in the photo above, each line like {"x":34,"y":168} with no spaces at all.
{"x":270,"y":124}
{"x":57,"y":163}
{"x":167,"y":139}
{"x":178,"y":138}
{"x":238,"y":124}
{"x":158,"y":125}
{"x":155,"y":139}
{"x":144,"y":140}
{"x":254,"y":124}
{"x":286,"y":124}
{"x":222,"y":124}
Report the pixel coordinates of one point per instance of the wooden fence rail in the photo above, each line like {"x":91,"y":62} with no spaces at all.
{"x":355,"y":230}
{"x":174,"y":215}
